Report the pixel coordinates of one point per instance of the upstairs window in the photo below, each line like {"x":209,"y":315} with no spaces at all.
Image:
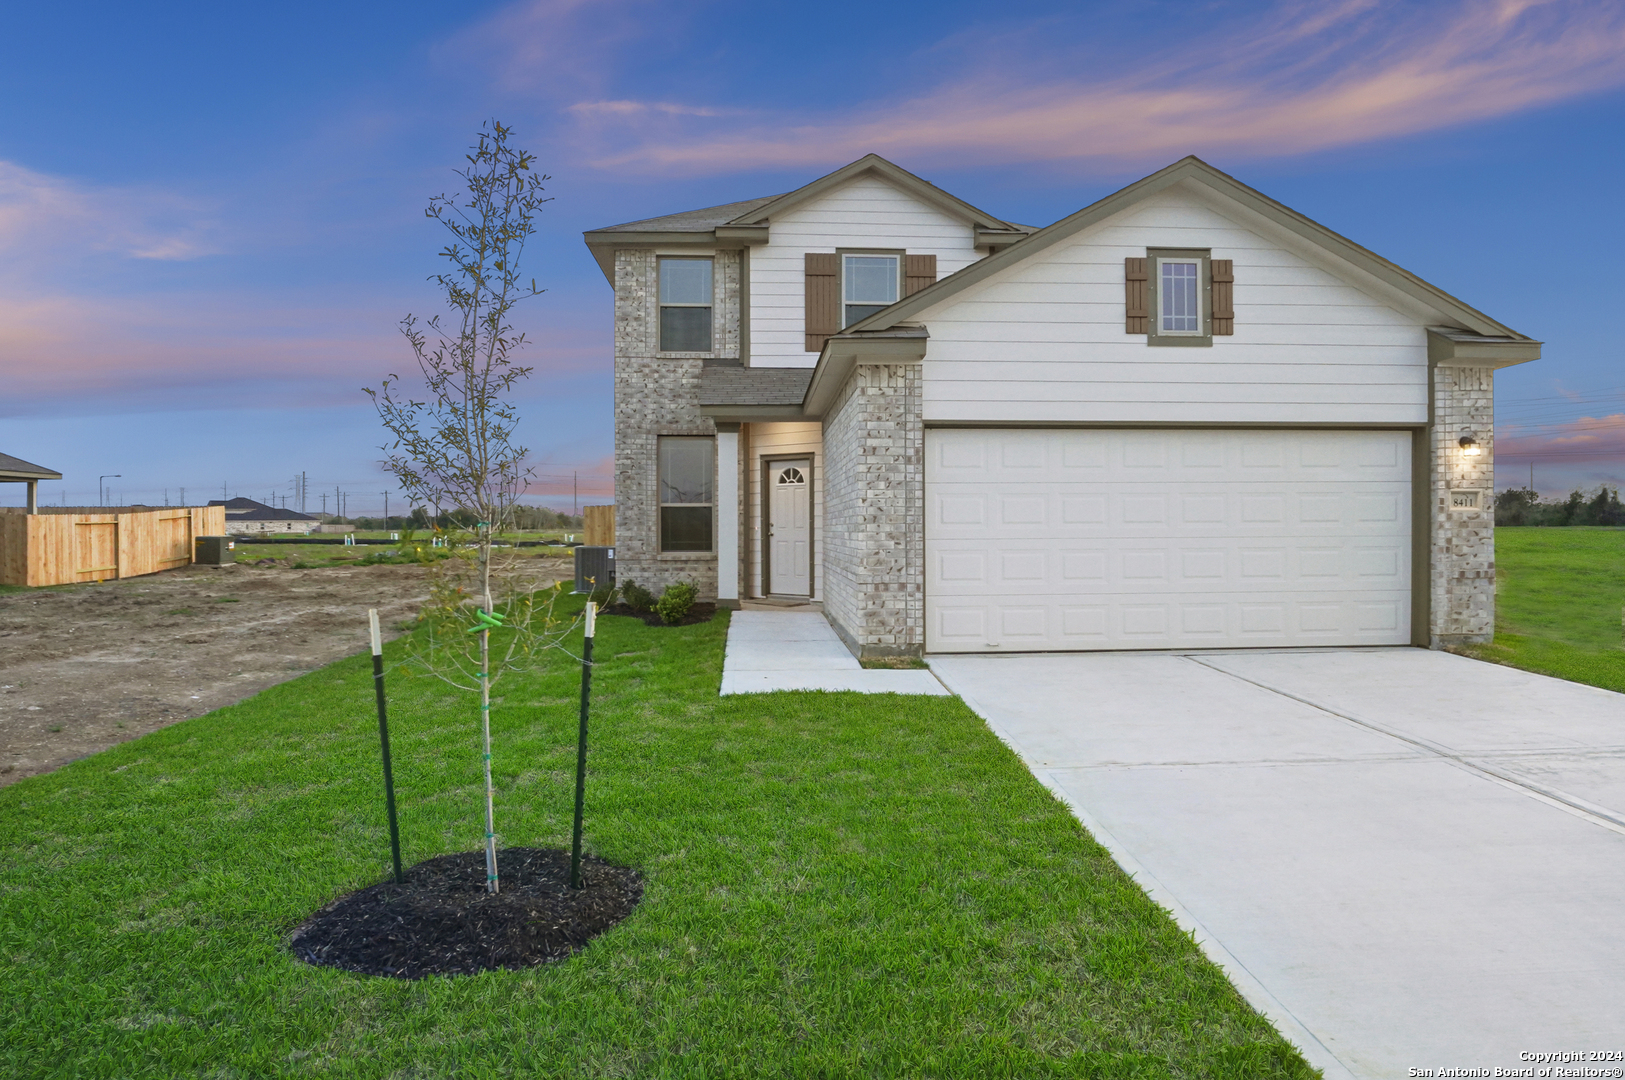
{"x":685,"y":305}
{"x":1179,"y":296}
{"x":868,"y":284}
{"x":687,"y":466}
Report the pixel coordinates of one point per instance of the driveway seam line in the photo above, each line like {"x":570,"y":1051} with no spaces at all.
{"x":1561,"y":800}
{"x":1248,"y":985}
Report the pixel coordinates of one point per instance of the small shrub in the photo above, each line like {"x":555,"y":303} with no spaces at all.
{"x":637,"y":597}
{"x":675,"y":602}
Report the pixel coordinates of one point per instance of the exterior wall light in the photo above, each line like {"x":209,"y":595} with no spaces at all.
{"x":1469,"y":446}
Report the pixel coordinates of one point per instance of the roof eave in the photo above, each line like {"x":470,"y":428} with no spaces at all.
{"x":843,"y":351}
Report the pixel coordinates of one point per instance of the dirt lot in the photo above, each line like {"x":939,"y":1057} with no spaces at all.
{"x":88,"y":666}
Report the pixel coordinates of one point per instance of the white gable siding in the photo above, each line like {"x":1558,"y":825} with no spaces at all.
{"x":1044,"y":340}
{"x":866,"y":212}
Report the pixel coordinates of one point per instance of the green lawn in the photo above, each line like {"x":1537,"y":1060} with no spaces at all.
{"x":1558,"y":599}
{"x":837,"y":885}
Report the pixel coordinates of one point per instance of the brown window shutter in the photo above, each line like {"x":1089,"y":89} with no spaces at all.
{"x":1134,"y":286}
{"x":918,"y":272}
{"x":823,"y":298}
{"x":1223,"y":272}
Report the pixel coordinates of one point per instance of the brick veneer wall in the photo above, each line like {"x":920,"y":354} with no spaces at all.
{"x":874,"y":512}
{"x":658,"y":394}
{"x":1462,"y":542}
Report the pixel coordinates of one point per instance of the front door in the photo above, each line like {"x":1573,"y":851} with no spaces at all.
{"x":789,"y":528}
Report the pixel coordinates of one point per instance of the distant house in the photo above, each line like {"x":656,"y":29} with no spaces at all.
{"x":245,"y":517}
{"x":17,"y":471}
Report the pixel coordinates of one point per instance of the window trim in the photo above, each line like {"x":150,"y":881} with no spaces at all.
{"x":661,"y":305}
{"x":661,"y":504}
{"x":1155,"y":335}
{"x":897,"y":257}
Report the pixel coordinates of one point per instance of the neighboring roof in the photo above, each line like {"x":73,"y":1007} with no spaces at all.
{"x":249,"y":510}
{"x":693,"y":220}
{"x":1195,"y":170}
{"x":15,"y":468}
{"x":725,"y":384}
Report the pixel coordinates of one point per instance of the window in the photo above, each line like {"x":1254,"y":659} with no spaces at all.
{"x":1179,"y":305}
{"x":869,"y":283}
{"x":687,"y":466}
{"x":685,"y":305}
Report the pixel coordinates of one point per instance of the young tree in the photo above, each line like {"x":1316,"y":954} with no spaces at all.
{"x":455,"y":451}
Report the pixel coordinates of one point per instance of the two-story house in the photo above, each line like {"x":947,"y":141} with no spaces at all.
{"x":1185,"y":416}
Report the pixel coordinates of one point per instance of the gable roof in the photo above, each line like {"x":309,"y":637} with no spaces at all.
{"x":1193,"y":169}
{"x":241,"y":509}
{"x":740,"y":224}
{"x":892,"y":173}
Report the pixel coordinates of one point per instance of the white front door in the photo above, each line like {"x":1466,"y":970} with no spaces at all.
{"x":789,"y":528}
{"x":1166,"y":539}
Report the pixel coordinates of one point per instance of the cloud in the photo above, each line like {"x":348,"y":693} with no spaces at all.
{"x":543,"y":45}
{"x":641,"y":108}
{"x":1304,"y":77}
{"x":48,"y":219}
{"x":1585,"y":439}
{"x":554,"y":480}
{"x":81,"y":354}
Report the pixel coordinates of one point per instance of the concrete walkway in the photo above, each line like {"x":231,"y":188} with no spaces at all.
{"x":1406,"y":859}
{"x":797,"y":650}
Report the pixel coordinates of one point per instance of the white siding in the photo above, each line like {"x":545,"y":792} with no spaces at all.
{"x":867,"y":212}
{"x":785,"y":440}
{"x":1044,"y":340}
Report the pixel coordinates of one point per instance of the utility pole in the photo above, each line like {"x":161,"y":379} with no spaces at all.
{"x":324,"y":504}
{"x":575,"y":494}
{"x":101,"y":492}
{"x":223,"y":496}
{"x":386,"y":511}
{"x":183,"y":496}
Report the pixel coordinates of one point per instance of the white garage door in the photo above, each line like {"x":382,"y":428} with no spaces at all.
{"x":1160,"y":539}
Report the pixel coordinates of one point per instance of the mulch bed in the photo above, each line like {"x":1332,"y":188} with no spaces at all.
{"x":443,"y":922}
{"x":697,"y":614}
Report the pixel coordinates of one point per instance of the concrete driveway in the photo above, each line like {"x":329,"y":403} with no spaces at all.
{"x":1406,"y":859}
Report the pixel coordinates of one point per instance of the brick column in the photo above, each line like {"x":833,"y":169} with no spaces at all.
{"x":1462,"y":539}
{"x":874,"y":506}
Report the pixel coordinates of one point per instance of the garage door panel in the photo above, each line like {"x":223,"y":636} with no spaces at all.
{"x":1166,"y":539}
{"x":1260,"y":510}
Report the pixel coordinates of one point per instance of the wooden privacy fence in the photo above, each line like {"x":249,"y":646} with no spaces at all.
{"x":61,"y":545}
{"x":598,"y":526}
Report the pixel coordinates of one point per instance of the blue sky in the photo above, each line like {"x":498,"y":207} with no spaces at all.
{"x":211,"y":215}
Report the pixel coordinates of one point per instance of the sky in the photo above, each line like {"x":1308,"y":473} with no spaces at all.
{"x":211,"y":216}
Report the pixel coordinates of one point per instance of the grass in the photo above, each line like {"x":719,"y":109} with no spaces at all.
{"x":1558,"y":599}
{"x":837,"y":885}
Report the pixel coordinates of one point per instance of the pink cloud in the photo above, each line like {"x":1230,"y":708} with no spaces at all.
{"x":1307,"y":77}
{"x":190,"y":351}
{"x":1588,"y":438}
{"x":590,"y":479}
{"x":49,"y":218}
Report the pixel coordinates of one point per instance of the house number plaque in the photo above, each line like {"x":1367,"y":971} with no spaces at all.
{"x":1464,"y":500}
